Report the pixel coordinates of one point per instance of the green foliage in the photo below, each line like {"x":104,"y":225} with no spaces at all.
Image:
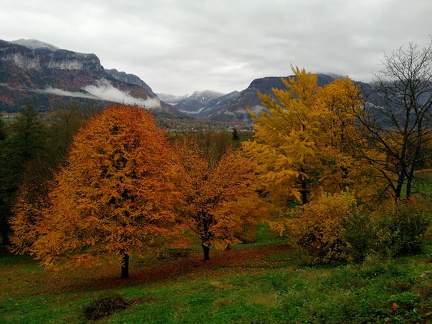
{"x":358,"y":235}
{"x":35,"y":145}
{"x":235,"y":135}
{"x":63,"y":124}
{"x":3,"y":133}
{"x":400,"y":228}
{"x":24,"y":139}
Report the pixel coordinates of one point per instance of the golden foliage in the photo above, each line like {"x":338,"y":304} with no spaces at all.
{"x":320,"y":227}
{"x":303,"y":141}
{"x":114,"y":197}
{"x":219,"y":196}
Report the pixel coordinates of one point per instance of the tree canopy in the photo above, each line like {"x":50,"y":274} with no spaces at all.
{"x":302,"y":139}
{"x":114,"y":198}
{"x":219,"y":195}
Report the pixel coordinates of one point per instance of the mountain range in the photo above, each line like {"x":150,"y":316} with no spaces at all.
{"x":46,"y":76}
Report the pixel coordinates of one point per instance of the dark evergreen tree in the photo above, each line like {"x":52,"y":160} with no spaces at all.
{"x":58,"y":132}
{"x":26,"y":138}
{"x":235,"y":135}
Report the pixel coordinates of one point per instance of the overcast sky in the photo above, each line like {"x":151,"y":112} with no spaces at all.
{"x":179,"y":46}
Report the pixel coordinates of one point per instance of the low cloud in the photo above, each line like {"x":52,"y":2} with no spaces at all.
{"x":104,"y":90}
{"x":60,"y":92}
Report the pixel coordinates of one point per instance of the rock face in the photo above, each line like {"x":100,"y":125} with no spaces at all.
{"x":129,"y":78}
{"x":45,"y":76}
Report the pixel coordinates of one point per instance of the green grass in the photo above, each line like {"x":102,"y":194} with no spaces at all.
{"x":256,"y":283}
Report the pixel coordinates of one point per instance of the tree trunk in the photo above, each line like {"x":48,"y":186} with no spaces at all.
{"x":125,"y":266}
{"x":399,"y":186}
{"x":4,"y":224}
{"x":304,"y":190}
{"x":206,"y":250}
{"x":410,"y":178}
{"x":206,"y":247}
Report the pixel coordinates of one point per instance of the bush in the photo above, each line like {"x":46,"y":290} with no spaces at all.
{"x":105,"y":306}
{"x":333,"y":228}
{"x":359,"y":235}
{"x":324,"y":227}
{"x":400,"y":228}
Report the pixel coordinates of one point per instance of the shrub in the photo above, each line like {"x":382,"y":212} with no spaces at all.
{"x":105,"y":306}
{"x":322,"y":228}
{"x":334,"y":228}
{"x":358,"y":235}
{"x":400,"y":228}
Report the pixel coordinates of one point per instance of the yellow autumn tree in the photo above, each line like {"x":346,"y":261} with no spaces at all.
{"x":302,"y":139}
{"x":342,"y":166}
{"x":284,"y":144}
{"x":219,"y":198}
{"x":114,"y":198}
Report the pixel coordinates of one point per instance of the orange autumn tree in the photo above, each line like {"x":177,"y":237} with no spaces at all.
{"x":113,"y":199}
{"x":219,"y":195}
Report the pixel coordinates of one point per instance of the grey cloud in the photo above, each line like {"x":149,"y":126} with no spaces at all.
{"x":182,"y":46}
{"x":60,"y":92}
{"x":106,"y":91}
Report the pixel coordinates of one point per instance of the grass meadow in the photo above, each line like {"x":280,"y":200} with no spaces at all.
{"x":262,"y":282}
{"x":251,"y":283}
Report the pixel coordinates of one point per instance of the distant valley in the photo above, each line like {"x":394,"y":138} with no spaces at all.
{"x":233,"y":106}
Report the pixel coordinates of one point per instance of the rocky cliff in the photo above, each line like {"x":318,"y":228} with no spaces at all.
{"x":44,"y":75}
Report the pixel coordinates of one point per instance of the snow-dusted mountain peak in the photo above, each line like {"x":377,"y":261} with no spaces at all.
{"x":34,"y":44}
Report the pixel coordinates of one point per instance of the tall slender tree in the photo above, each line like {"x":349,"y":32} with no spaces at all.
{"x":33,"y":188}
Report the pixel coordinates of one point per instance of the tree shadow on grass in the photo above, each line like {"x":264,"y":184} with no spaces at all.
{"x":221,"y":262}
